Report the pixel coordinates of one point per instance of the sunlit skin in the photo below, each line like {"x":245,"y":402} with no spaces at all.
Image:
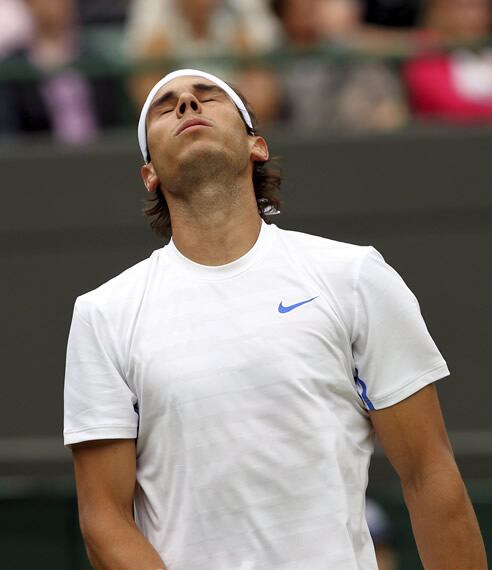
{"x":204,"y":171}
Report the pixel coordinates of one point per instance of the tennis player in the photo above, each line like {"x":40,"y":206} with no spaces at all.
{"x":222,"y":396}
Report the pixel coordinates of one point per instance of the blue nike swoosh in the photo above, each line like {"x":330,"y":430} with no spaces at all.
{"x":282,"y":309}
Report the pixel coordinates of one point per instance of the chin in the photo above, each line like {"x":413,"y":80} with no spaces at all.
{"x":205,"y":158}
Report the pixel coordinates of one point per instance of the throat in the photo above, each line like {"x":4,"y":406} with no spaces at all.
{"x":218,"y":238}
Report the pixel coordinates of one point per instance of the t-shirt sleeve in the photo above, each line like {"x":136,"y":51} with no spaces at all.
{"x":98,"y":403}
{"x":394,"y":354}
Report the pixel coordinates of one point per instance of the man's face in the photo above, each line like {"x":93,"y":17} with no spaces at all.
{"x":190,"y":123}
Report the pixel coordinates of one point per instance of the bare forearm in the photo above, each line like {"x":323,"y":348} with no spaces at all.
{"x":444,"y":523}
{"x":117,"y":544}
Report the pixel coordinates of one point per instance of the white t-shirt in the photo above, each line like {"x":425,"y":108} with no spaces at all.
{"x":247,"y":387}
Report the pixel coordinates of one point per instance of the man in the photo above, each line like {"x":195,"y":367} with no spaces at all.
{"x":230,"y":384}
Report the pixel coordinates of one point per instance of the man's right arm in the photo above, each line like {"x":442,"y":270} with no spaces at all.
{"x":105,"y":474}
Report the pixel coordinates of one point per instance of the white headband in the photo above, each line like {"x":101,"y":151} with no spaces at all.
{"x":142,"y":130}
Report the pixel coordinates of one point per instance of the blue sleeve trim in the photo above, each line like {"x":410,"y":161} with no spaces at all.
{"x":362,"y":390}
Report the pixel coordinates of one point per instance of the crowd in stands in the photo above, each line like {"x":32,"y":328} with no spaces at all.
{"x":344,"y":66}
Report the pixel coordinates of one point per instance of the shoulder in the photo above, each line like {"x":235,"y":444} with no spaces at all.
{"x":341,"y":266}
{"x":119,"y":293}
{"x":334,"y":265}
{"x":325,"y":251}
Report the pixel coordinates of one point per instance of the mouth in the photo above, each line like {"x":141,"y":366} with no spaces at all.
{"x":192,"y":123}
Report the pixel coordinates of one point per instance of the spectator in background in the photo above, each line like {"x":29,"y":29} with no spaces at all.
{"x":15,"y":31}
{"x":188,"y":29}
{"x":61,"y":100}
{"x":345,"y":96}
{"x":16,"y":26}
{"x":381,"y":534}
{"x":453,"y":86}
{"x":388,"y":26}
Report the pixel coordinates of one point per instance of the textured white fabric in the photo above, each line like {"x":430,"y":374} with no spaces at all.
{"x":142,"y":130}
{"x":253,"y":439}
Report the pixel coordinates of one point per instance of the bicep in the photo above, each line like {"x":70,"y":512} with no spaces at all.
{"x":413,"y":435}
{"x":105,"y":473}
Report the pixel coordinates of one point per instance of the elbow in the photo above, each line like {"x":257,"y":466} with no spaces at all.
{"x":100,"y":534}
{"x":441,"y":482}
{"x":91,"y":536}
{"x":438,"y":468}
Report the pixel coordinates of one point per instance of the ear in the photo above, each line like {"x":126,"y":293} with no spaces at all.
{"x":149,"y":177}
{"x":259,"y":149}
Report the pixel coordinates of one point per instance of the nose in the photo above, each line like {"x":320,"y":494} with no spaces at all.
{"x":186,"y":102}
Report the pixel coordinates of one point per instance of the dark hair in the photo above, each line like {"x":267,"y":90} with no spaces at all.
{"x":266,"y":183}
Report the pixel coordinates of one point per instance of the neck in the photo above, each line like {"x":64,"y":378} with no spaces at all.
{"x":215,"y":225}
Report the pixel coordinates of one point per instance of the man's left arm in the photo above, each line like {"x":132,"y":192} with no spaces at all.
{"x":413,"y":435}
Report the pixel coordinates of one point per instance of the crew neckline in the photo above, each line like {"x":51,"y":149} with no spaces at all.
{"x":239,"y":265}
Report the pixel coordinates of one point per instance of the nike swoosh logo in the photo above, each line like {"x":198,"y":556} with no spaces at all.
{"x":283,"y":309}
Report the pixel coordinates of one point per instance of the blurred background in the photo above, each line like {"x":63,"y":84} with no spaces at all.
{"x":380,"y":112}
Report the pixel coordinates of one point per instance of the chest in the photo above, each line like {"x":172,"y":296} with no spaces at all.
{"x":200,"y":341}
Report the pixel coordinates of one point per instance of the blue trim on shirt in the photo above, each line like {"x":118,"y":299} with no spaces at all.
{"x":364,"y":397}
